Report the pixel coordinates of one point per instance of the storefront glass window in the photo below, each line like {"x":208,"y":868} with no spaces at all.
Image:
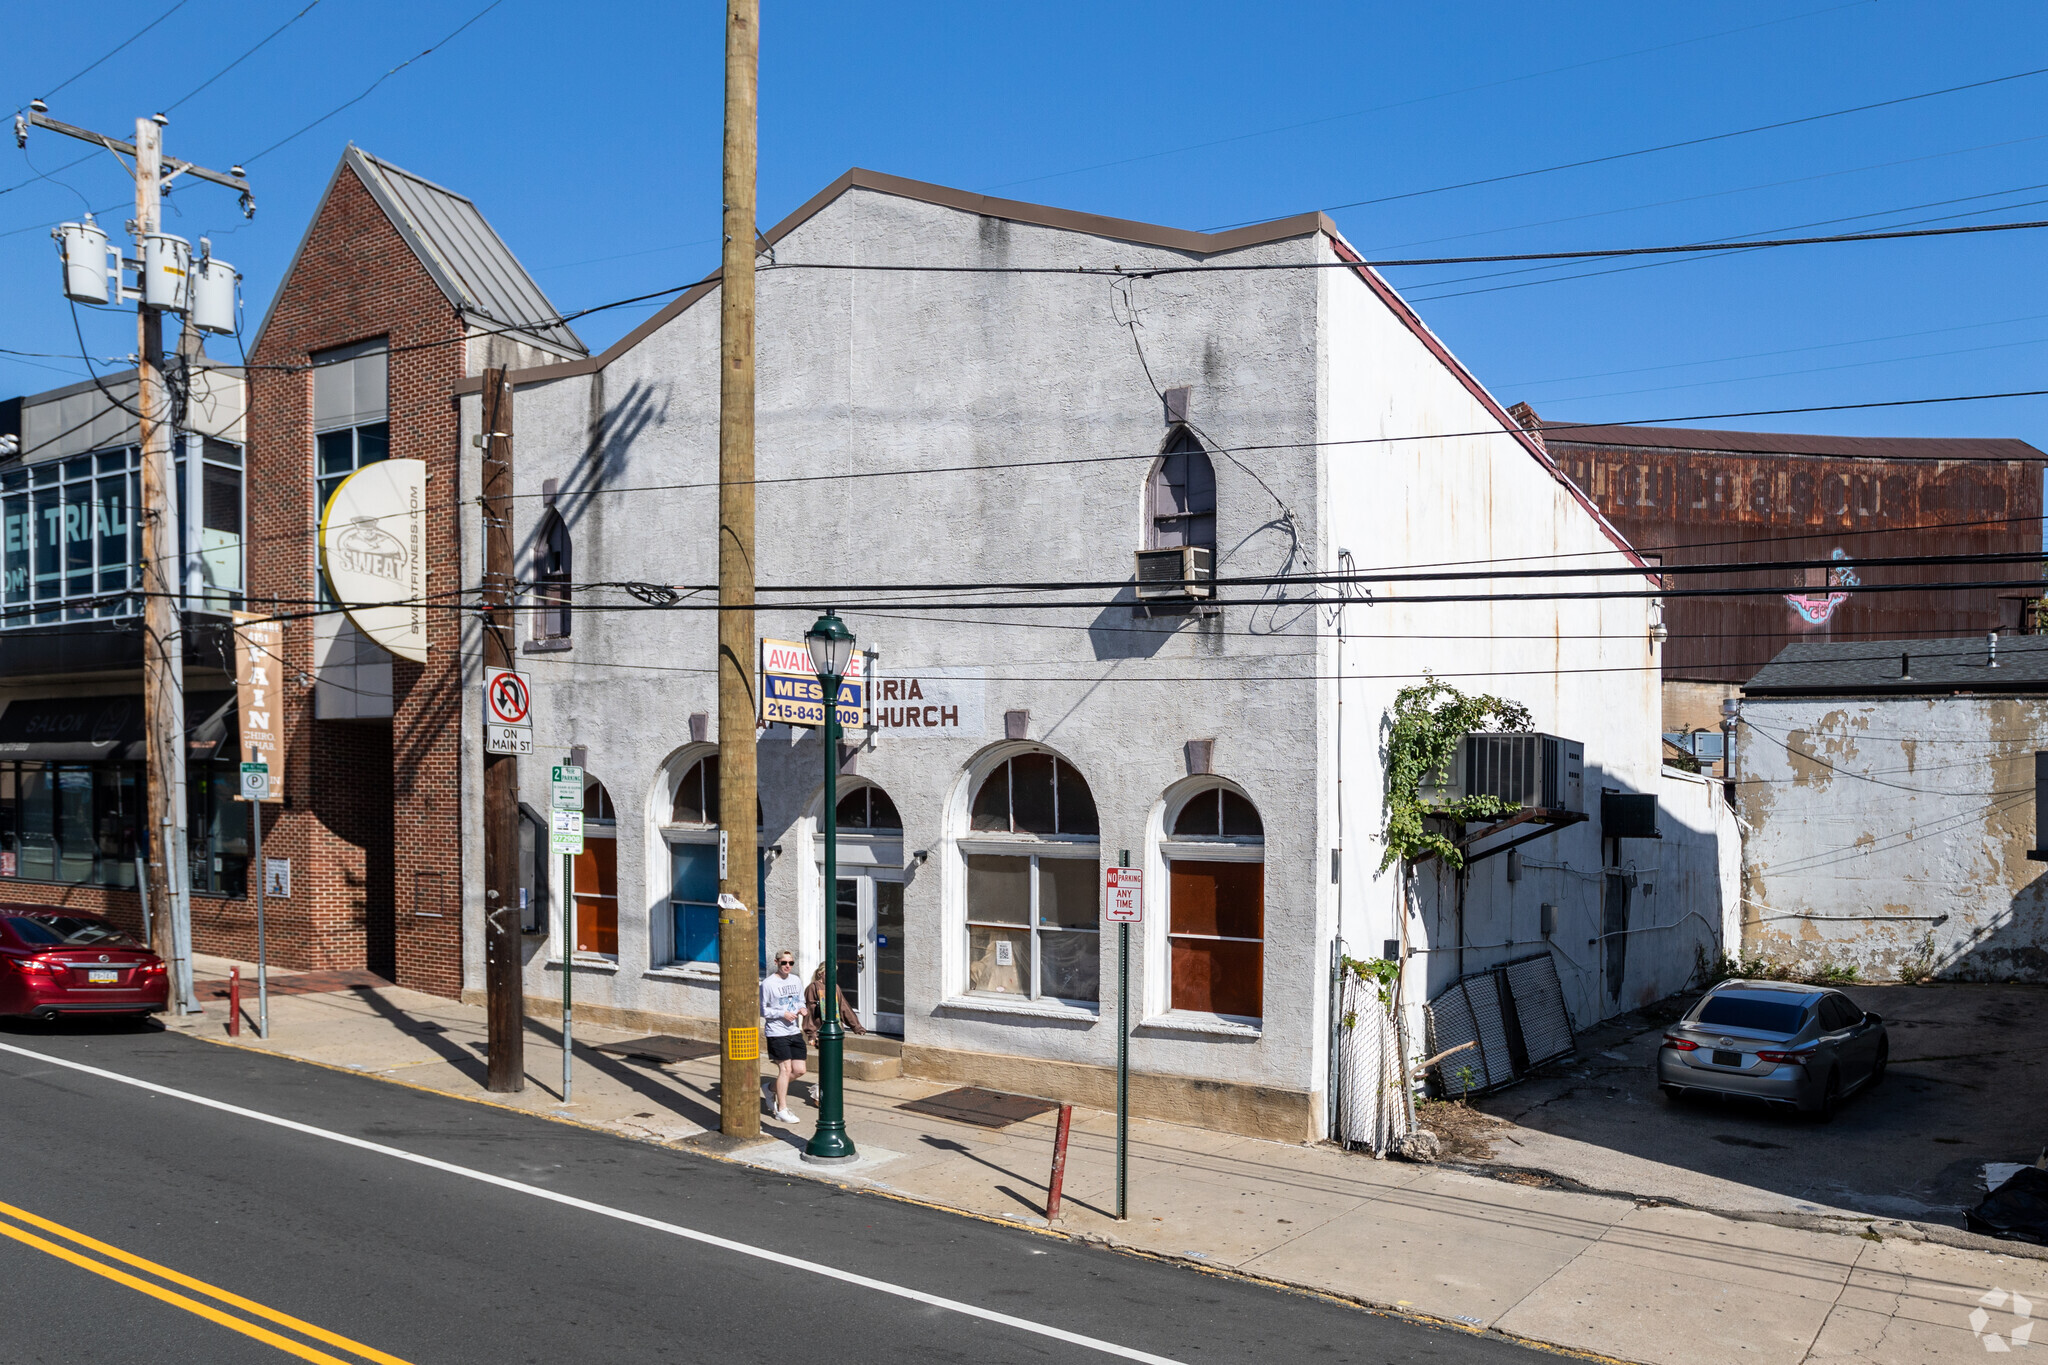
{"x":1032,"y":911}
{"x":67,"y":538}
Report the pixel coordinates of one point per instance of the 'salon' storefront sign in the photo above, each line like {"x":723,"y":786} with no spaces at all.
{"x":373,"y":550}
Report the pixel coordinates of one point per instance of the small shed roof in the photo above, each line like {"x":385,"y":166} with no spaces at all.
{"x":1822,"y":668}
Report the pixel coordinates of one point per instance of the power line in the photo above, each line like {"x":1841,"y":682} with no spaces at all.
{"x":243,"y":58}
{"x":111,"y":52}
{"x":372,"y":86}
{"x":1403,"y":104}
{"x":1673,"y":146}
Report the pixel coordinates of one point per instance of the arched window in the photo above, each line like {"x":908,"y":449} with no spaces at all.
{"x":597,"y":875}
{"x":692,"y":838}
{"x":1181,"y":502}
{"x":1032,"y":860}
{"x":1216,"y":906}
{"x":868,"y":808}
{"x":551,"y":578}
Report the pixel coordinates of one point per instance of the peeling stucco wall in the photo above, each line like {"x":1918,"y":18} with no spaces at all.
{"x":1891,"y":835}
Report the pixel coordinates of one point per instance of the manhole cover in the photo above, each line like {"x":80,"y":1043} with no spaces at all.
{"x":662,"y":1048}
{"x":982,"y":1108}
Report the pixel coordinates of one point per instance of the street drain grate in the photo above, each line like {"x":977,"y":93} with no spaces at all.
{"x":982,"y":1108}
{"x":661,"y":1048}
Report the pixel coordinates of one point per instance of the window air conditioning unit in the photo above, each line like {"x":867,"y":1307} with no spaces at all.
{"x":1544,"y":771}
{"x":1183,"y":572}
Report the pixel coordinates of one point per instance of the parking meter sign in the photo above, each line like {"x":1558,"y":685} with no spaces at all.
{"x":508,"y":712}
{"x":1123,"y":895}
{"x":565,"y":831}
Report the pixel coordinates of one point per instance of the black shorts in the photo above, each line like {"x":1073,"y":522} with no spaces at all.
{"x":786,"y":1047}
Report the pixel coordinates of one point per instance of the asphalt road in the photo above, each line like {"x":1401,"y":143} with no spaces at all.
{"x":398,"y":1252}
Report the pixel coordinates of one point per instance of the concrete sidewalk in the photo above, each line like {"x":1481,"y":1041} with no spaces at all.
{"x":1619,"y":1278}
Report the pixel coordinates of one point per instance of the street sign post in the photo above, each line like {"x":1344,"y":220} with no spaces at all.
{"x":508,"y":712}
{"x":255,"y":781}
{"x":1123,"y":904}
{"x":565,"y":788}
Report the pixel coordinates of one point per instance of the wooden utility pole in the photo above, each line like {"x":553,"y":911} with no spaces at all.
{"x":739,"y":994}
{"x":504,"y":1003}
{"x":163,"y":647}
{"x":164,"y":882}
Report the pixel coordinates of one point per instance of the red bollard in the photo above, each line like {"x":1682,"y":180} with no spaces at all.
{"x":234,"y":1002}
{"x":1059,"y":1164}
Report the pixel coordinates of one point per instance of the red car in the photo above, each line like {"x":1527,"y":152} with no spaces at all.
{"x":59,"y":962}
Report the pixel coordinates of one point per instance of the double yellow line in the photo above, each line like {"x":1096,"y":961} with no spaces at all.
{"x":225,"y":1319}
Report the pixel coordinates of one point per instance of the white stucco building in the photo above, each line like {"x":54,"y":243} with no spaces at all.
{"x":1009,"y":429}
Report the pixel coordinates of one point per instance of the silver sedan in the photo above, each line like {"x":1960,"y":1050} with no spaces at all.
{"x":1805,"y":1046}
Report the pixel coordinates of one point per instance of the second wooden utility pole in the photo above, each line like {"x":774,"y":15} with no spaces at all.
{"x":739,"y":995}
{"x":163,"y":639}
{"x":503,"y":991}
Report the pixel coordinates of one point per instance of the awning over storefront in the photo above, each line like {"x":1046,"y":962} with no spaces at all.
{"x":104,"y":729}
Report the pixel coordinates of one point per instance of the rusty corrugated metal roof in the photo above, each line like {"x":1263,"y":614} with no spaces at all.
{"x":1795,"y":443}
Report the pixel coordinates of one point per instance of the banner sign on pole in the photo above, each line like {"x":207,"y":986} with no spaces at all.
{"x":259,"y":704}
{"x":790,"y":694}
{"x":508,"y":712}
{"x":565,"y":831}
{"x":373,"y":551}
{"x":1123,"y":895}
{"x":566,"y":788}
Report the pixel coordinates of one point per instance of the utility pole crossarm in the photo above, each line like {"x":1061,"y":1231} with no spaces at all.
{"x":172,"y":166}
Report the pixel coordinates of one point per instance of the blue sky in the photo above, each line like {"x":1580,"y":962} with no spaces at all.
{"x":590,"y":136}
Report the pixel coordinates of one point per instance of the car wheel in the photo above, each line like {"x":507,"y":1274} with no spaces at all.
{"x":1830,"y":1099}
{"x":1884,"y":1057}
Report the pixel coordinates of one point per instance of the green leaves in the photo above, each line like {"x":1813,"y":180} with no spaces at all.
{"x":1428,"y":720}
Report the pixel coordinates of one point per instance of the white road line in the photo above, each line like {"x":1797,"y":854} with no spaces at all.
{"x":673,"y":1229}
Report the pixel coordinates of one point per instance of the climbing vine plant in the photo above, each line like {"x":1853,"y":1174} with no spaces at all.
{"x":1428,"y":720}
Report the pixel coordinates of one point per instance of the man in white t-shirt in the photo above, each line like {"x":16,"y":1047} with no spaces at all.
{"x":782,"y":1013}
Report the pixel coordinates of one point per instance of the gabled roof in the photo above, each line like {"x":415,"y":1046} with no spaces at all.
{"x":1832,"y":668}
{"x":466,"y":259}
{"x":1793,"y":443}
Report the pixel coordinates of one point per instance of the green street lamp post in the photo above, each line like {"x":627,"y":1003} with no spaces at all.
{"x":831,"y":646}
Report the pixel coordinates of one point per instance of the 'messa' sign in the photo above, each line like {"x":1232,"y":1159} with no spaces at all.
{"x":790,"y":694}
{"x":373,"y":550}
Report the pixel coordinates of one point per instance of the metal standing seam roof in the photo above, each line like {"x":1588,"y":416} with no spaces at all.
{"x":469,"y":261}
{"x":1935,"y":667}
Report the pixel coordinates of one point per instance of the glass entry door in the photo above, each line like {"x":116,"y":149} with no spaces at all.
{"x":868,"y":938}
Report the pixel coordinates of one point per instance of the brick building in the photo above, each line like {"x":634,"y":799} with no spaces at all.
{"x":398,"y":290}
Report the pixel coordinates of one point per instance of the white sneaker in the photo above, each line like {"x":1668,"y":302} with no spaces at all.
{"x":787,"y":1116}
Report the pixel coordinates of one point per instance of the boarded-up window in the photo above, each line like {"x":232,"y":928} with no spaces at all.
{"x":1182,"y":497}
{"x":1217,"y":936}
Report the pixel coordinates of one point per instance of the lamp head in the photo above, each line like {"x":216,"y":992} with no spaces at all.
{"x":831,"y":645}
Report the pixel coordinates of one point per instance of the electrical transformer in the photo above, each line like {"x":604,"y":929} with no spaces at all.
{"x":166,"y":272}
{"x":84,"y":249}
{"x":213,"y":296}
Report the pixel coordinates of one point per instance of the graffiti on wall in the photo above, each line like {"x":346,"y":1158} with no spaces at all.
{"x":1826,"y":589}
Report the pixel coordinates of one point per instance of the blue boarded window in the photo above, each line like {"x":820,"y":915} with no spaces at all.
{"x":693,"y":872}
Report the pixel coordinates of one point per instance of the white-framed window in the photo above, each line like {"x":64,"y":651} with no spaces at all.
{"x":553,"y":556}
{"x":597,"y":875}
{"x":1214,"y":851}
{"x":690,"y":835}
{"x":1032,"y":858}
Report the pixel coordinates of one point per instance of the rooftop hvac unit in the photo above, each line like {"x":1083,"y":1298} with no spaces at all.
{"x":84,"y":249}
{"x":166,"y":272}
{"x":213,"y":296}
{"x":1180,"y":573}
{"x":1546,"y":772}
